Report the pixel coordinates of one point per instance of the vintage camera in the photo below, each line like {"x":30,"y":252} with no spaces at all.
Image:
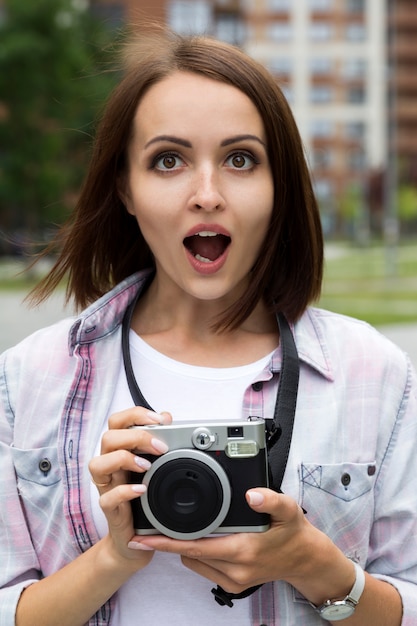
{"x":198,"y":487}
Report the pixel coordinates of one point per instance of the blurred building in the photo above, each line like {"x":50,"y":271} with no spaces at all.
{"x":402,"y":42}
{"x":348,"y":69}
{"x":329,"y":57}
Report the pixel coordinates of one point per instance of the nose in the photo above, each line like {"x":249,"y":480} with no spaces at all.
{"x":207,"y":195}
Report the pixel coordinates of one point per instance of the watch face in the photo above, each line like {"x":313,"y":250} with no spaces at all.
{"x":337,"y":610}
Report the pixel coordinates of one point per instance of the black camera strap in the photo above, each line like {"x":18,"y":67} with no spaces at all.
{"x":279,"y":428}
{"x":135,"y":392}
{"x":279,"y":432}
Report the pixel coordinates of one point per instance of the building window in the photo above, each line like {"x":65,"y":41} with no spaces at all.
{"x":357,"y":160}
{"x":356,"y":95}
{"x":324,"y":190}
{"x":320,"y":31}
{"x":355,"y":6}
{"x":355,"y":32}
{"x":320,"y":5}
{"x":229,"y":28}
{"x":321,"y":159}
{"x":279,"y":31}
{"x":321,"y":94}
{"x":280,"y":65}
{"x":278,"y":5}
{"x":354,"y":68}
{"x":355,"y":130}
{"x":320,"y":66}
{"x":321,"y":129}
{"x":188,"y":16}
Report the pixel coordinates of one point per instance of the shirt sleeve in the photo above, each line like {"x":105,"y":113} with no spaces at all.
{"x":19,"y":563}
{"x":393,"y":542}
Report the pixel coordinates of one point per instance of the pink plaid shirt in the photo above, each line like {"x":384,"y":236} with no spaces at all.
{"x":352,"y":464}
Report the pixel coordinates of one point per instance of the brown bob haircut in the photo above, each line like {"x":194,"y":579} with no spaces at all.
{"x":102,"y":243}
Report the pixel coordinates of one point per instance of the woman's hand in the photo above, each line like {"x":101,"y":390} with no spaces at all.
{"x":292,"y":550}
{"x":110,"y":472}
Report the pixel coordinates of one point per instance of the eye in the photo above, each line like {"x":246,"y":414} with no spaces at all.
{"x":167,"y":161}
{"x":241,"y":160}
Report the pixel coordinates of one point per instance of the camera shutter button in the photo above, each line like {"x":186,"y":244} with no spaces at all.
{"x":202,"y":438}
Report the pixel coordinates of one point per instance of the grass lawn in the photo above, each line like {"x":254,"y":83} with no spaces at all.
{"x":368,"y":284}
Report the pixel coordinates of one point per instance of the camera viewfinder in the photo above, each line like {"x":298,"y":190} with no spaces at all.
{"x":235,"y":431}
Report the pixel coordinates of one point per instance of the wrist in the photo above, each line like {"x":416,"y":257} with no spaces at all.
{"x":111,"y":561}
{"x":326,"y":574}
{"x":336,"y":609}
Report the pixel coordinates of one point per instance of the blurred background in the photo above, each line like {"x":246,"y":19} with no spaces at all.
{"x":347,"y":67}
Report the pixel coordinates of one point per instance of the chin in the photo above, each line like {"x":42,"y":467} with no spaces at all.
{"x":212,"y":290}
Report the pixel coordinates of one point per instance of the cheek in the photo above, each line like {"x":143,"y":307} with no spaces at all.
{"x":260,"y":213}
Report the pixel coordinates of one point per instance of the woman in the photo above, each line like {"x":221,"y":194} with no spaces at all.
{"x":198,"y":218}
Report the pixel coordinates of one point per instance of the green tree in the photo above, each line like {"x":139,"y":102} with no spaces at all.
{"x":53,"y":79}
{"x":407,"y":203}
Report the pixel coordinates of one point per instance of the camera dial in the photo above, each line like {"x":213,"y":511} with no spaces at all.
{"x":202,"y":438}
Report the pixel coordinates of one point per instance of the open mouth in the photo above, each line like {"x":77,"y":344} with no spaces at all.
{"x":207,"y":246}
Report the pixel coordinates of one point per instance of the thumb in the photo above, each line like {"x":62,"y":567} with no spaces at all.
{"x":278,"y":505}
{"x":261,"y":499}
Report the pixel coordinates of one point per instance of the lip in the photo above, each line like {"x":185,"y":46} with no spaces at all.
{"x":207,"y":268}
{"x":200,"y":267}
{"x":214,"y":228}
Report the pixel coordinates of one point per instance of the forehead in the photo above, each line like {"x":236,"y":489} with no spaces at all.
{"x":184,"y":102}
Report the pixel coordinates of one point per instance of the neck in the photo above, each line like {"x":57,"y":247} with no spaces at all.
{"x":184,"y":331}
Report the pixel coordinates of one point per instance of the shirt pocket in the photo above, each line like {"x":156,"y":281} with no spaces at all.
{"x":39,"y":487}
{"x":39,"y":466}
{"x":339,"y":500}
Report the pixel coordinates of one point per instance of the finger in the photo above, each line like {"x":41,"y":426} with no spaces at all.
{"x":137,"y":416}
{"x":282,"y":508}
{"x":132,"y":439}
{"x":105,"y":469}
{"x":113,"y":499}
{"x":210,"y":548}
{"x":233,"y":579}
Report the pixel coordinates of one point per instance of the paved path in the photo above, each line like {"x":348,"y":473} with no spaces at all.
{"x":17,"y":321}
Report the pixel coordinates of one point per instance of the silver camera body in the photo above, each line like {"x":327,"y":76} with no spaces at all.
{"x":198,"y":487}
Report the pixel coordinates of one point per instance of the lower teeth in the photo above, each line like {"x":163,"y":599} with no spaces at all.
{"x":203,"y":259}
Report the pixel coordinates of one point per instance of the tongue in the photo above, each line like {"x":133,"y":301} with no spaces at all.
{"x":208,"y":247}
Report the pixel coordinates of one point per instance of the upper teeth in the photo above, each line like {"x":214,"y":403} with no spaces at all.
{"x":206,"y":233}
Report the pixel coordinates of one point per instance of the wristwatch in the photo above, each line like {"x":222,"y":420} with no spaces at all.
{"x":335,"y":610}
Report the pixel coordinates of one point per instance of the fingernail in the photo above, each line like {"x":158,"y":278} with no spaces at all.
{"x":155,"y":417}
{"x":139,"y":488}
{"x":135,"y":545}
{"x":159,"y":446}
{"x":255,"y":498}
{"x":142,"y":463}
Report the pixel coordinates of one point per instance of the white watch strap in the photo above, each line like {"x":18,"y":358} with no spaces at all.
{"x":354,"y":595}
{"x":357,"y":589}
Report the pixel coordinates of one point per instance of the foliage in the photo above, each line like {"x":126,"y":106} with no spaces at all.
{"x":52,"y":82}
{"x":407,"y":202}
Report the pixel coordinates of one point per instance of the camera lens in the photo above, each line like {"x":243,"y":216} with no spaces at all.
{"x":188,"y":494}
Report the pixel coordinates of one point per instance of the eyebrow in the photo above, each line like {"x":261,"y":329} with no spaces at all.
{"x":237,"y":138}
{"x":170,"y":139}
{"x":187,"y":144}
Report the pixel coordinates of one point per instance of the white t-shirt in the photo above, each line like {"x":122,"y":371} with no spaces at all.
{"x":166,"y":592}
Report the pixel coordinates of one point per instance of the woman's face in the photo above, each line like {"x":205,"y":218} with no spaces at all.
{"x":200,"y":185}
